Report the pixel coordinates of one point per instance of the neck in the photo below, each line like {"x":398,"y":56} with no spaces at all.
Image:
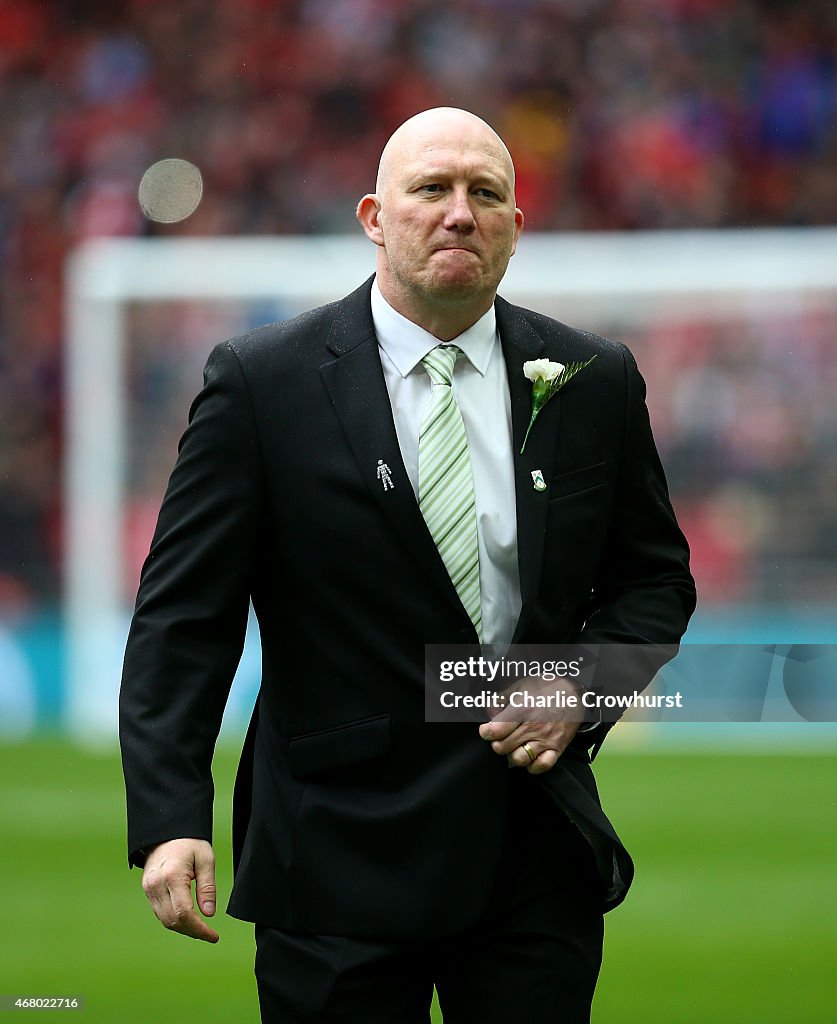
{"x":443,"y":319}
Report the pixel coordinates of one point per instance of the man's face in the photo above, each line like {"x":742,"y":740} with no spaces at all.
{"x":447,"y":220}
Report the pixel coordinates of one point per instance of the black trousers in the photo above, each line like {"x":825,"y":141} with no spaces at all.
{"x":534,"y":955}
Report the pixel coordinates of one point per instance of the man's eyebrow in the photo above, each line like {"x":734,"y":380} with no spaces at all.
{"x":440,"y":174}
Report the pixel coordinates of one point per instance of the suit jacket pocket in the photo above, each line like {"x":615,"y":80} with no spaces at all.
{"x":578,"y":480}
{"x":340,"y":746}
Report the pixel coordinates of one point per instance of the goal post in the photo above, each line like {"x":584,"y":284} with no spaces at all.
{"x":583,"y":279}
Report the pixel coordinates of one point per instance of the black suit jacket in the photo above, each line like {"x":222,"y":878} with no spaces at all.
{"x":352,"y":815}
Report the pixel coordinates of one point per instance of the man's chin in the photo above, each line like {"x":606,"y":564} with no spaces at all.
{"x":453,"y":286}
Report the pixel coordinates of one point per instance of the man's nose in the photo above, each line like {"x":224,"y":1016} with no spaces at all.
{"x":458,"y":215}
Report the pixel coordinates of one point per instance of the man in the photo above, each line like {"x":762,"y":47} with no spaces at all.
{"x":361,"y":479}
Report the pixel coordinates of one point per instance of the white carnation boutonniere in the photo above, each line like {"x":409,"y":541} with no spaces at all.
{"x":547,"y":379}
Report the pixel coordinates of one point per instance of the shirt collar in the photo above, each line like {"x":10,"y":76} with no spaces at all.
{"x":406,"y":344}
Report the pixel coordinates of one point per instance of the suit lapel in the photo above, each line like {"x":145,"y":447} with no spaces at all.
{"x":358,"y":391}
{"x":356,"y":385}
{"x":521,"y":343}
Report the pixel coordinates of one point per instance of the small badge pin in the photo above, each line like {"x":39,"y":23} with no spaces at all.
{"x":385,"y":475}
{"x":538,"y":481}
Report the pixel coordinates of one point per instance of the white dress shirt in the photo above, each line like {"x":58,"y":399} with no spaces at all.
{"x":481,"y":389}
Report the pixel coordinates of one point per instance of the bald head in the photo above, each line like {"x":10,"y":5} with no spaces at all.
{"x":438,"y":128}
{"x":444,"y":219}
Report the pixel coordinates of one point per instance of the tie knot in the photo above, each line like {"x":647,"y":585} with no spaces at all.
{"x":439,"y":363}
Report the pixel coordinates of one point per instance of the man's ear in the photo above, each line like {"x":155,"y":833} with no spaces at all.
{"x":368,"y":213}
{"x":518,"y":227}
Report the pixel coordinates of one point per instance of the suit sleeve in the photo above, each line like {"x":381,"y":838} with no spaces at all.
{"x":188,"y":627}
{"x":644,"y":592}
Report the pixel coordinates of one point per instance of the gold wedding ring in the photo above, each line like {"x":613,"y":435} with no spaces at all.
{"x":532,"y":755}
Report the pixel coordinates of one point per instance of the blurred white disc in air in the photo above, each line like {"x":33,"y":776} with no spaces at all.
{"x":170,"y":190}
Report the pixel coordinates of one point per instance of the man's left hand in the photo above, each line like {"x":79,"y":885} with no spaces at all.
{"x":546,"y":741}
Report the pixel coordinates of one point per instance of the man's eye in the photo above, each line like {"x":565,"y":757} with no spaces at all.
{"x":432,"y":188}
{"x":486,"y":193}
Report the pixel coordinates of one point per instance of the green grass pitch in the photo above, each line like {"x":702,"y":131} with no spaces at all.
{"x":731,"y":919}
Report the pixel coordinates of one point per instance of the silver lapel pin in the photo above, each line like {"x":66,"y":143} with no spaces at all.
{"x":538,"y":481}
{"x":385,"y":475}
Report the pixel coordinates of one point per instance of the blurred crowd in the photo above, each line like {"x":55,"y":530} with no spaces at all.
{"x":620,"y":114}
{"x":744,"y":414}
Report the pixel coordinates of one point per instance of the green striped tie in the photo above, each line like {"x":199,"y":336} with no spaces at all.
{"x":446,"y":488}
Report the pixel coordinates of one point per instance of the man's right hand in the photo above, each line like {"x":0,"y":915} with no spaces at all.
{"x":170,"y":869}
